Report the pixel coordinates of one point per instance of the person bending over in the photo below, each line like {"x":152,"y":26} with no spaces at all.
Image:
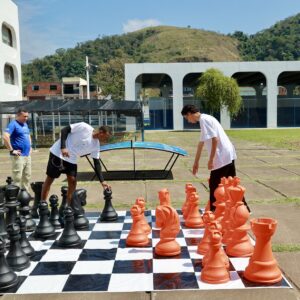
{"x":76,"y":140}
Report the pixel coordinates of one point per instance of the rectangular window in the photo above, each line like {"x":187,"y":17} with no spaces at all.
{"x":35,"y":87}
{"x":53,"y":87}
{"x":7,"y":36}
{"x":9,"y":76}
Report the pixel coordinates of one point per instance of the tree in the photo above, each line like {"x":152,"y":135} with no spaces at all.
{"x":220,"y":92}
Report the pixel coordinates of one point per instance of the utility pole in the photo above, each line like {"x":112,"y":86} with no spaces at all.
{"x":87,"y":68}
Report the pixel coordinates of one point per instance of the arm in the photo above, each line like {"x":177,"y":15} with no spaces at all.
{"x":99,"y":174}
{"x":6,"y":140}
{"x":197,"y":157}
{"x":63,"y":137}
{"x":214,"y":143}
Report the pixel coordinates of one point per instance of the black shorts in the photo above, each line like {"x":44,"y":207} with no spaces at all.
{"x":57,"y":166}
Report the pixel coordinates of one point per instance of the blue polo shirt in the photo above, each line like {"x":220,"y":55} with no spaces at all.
{"x":19,"y":136}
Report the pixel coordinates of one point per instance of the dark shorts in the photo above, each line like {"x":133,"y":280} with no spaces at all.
{"x":57,"y":166}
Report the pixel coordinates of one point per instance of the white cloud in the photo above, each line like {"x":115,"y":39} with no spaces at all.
{"x":136,"y":24}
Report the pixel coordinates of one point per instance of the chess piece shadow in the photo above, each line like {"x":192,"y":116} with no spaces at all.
{"x":137,"y":236}
{"x":37,"y":189}
{"x":108,"y":213}
{"x":69,"y":237}
{"x":170,"y":226}
{"x":8,"y":278}
{"x":262,"y":267}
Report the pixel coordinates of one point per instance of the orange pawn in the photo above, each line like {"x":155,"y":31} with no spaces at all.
{"x":263,"y":266}
{"x":215,"y":270}
{"x":140,"y":201}
{"x":170,"y":226}
{"x":189,"y":189}
{"x":136,"y":237}
{"x":194,"y":219}
{"x":203,"y":245}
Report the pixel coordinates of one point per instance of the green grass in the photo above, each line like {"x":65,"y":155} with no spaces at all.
{"x":278,"y":138}
{"x":286,"y":247}
{"x":277,"y":201}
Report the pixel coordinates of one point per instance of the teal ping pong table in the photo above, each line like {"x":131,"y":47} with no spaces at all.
{"x":134,"y":174}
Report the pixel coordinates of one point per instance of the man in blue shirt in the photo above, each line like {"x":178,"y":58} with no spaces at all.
{"x":17,"y":140}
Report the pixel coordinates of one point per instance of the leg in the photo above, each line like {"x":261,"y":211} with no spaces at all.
{"x":46,"y":187}
{"x":71,"y":187}
{"x":17,"y":168}
{"x":26,"y":174}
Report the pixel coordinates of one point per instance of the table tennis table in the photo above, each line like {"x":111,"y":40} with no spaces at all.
{"x":134,"y":174}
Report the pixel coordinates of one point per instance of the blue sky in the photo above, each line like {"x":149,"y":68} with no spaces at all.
{"x":46,"y":25}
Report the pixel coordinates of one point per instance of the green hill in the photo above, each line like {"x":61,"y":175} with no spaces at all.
{"x":109,"y":53}
{"x":164,"y":44}
{"x":279,"y":42}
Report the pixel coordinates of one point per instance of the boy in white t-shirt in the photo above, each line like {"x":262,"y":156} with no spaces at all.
{"x":76,"y":140}
{"x":220,"y":149}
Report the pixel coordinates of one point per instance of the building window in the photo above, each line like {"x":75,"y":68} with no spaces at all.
{"x":35,"y":87}
{"x":9,"y":76}
{"x":53,"y":87}
{"x":7,"y":36}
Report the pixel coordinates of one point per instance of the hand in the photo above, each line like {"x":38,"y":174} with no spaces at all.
{"x":65,"y":152}
{"x":210,"y":165}
{"x":16,"y":152}
{"x":195,"y":168}
{"x":105,"y":185}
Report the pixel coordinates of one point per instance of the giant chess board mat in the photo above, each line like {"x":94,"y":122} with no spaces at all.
{"x":104,"y":263}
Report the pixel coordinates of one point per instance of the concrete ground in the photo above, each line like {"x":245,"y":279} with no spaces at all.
{"x":271,"y":178}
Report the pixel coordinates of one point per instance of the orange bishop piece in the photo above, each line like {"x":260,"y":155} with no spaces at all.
{"x":136,"y":237}
{"x":140,"y":201}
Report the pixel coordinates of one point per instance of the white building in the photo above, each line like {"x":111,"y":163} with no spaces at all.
{"x":10,"y":58}
{"x":261,"y":85}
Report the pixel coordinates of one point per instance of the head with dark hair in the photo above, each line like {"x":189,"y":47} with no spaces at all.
{"x":22,"y":115}
{"x":21,"y":110}
{"x":191,"y":113}
{"x":189,"y":108}
{"x":103,"y":133}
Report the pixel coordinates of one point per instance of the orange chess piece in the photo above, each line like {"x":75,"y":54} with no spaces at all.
{"x":170,"y":226}
{"x":136,"y":237}
{"x":262,"y":266}
{"x":194,"y":219}
{"x":220,"y":202}
{"x":203,"y":245}
{"x":189,"y":189}
{"x":239,"y":245}
{"x":140,"y":201}
{"x":164,"y":199}
{"x":215,"y":270}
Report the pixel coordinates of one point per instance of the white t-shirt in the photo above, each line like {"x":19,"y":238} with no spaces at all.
{"x":225,"y":152}
{"x":79,"y":142}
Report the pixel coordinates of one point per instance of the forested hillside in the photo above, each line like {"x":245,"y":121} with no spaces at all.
{"x":164,"y":44}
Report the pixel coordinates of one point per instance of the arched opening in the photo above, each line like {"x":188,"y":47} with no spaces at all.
{"x":7,"y":36}
{"x":9,"y":74}
{"x":254,"y":95}
{"x":288,"y":99}
{"x":156,"y":93}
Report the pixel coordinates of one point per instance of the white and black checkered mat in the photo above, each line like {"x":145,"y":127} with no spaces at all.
{"x":104,"y":263}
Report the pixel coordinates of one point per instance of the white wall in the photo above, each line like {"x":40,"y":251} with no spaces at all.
{"x":10,"y":55}
{"x":177,"y":72}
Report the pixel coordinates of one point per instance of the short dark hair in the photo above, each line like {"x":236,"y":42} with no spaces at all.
{"x":21,"y":110}
{"x":189,"y":108}
{"x":105,"y":129}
